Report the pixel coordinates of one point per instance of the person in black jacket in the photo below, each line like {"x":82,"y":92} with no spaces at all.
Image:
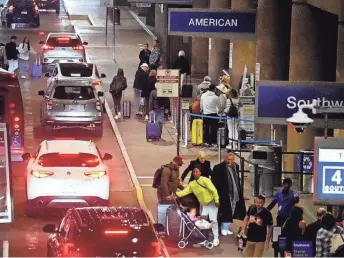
{"x":146,"y":91}
{"x":12,"y":54}
{"x":144,"y":55}
{"x":201,"y":163}
{"x":183,"y":64}
{"x":140,"y":82}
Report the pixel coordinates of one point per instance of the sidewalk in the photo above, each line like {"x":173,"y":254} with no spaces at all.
{"x":145,"y":156}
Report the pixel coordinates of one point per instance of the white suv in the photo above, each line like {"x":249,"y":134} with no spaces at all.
{"x":64,"y":174}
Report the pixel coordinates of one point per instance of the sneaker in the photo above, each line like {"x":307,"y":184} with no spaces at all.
{"x":216,"y":242}
{"x":116,"y":117}
{"x":119,"y":115}
{"x":229,"y":232}
{"x":146,"y":118}
{"x":224,"y":232}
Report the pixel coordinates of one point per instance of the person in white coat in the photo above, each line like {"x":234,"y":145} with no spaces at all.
{"x":233,"y":99}
{"x":24,"y":50}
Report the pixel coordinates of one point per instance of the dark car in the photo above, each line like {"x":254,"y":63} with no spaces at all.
{"x":49,"y":5}
{"x":20,"y":11}
{"x":105,"y":232}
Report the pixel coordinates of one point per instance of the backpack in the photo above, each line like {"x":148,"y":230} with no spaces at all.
{"x":157,"y":176}
{"x":233,"y":110}
{"x":196,"y":107}
{"x":116,"y":85}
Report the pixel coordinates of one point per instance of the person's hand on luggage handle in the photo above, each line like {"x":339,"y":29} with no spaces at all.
{"x":169,"y":198}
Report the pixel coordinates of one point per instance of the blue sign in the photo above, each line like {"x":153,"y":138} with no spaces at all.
{"x":212,"y":23}
{"x":286,"y":97}
{"x":16,"y":141}
{"x":302,"y":249}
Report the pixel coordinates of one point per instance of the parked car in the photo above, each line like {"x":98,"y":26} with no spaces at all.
{"x":19,"y":11}
{"x":105,"y":232}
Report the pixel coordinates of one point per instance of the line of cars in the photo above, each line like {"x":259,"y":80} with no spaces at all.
{"x":72,"y":174}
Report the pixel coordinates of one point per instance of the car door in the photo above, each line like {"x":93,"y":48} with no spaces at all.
{"x":57,"y":239}
{"x":46,"y":97}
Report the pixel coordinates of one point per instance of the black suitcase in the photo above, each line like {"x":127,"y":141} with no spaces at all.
{"x":173,"y":224}
{"x":186,"y":91}
{"x":242,"y":137}
{"x":126,"y":109}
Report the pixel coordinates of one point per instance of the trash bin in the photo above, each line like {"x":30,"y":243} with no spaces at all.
{"x":306,"y":165}
{"x":117,"y":16}
{"x":265,"y":156}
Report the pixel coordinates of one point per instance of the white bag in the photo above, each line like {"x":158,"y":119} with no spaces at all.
{"x":337,"y":241}
{"x":203,"y":224}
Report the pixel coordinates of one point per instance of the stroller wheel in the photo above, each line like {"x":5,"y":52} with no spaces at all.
{"x":208,"y":245}
{"x":181,"y":244}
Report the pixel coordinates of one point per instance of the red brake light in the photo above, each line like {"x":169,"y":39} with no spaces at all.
{"x":79,"y":48}
{"x":41,"y":174}
{"x":116,"y":232}
{"x":63,"y":40}
{"x":157,"y":248}
{"x":12,"y":105}
{"x":48,"y":47}
{"x":96,"y":83}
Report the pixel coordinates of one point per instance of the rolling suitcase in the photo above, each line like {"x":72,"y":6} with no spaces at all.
{"x":242,"y":137}
{"x":153,"y":130}
{"x":187,"y":89}
{"x":173,"y":223}
{"x":126,"y":109}
{"x":197,"y":132}
{"x":36,"y":68}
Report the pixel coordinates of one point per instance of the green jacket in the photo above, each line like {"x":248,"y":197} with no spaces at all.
{"x":203,"y":189}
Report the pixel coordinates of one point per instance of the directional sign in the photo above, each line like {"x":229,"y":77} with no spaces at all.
{"x":168,"y":83}
{"x":143,"y":5}
{"x":106,"y":3}
{"x":329,"y":172}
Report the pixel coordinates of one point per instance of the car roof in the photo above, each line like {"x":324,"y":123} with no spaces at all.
{"x":100,"y":217}
{"x":69,"y":146}
{"x":62,"y":34}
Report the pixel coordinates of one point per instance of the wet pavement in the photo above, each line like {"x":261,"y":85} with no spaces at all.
{"x":24,"y":237}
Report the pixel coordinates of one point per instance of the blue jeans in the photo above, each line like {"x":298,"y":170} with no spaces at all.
{"x":137,"y":99}
{"x":160,"y":117}
{"x":23,"y":66}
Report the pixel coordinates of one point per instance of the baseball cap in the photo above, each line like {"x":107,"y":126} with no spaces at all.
{"x":178,"y":160}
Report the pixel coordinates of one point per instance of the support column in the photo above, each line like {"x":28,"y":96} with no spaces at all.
{"x":219,"y":52}
{"x":244,"y":52}
{"x":340,"y":55}
{"x":150,"y":15}
{"x":272,"y":52}
{"x":200,"y":49}
{"x":305,"y":65}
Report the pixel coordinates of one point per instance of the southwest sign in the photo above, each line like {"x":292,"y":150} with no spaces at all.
{"x":212,"y":23}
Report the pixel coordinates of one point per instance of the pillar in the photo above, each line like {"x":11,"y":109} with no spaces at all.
{"x":305,"y":65}
{"x":200,"y":49}
{"x":219,"y":52}
{"x":272,"y":52}
{"x":150,"y":15}
{"x":244,"y":51}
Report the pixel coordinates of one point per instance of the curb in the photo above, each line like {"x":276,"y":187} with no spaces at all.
{"x":78,"y":17}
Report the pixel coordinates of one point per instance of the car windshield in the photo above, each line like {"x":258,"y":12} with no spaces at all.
{"x":77,"y":70}
{"x":74,"y":93}
{"x":68,"y":160}
{"x":64,"y":41}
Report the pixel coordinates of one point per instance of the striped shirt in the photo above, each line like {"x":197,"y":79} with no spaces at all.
{"x":324,"y":241}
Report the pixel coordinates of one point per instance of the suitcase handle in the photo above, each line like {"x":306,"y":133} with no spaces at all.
{"x":38,"y":59}
{"x":151,"y":115}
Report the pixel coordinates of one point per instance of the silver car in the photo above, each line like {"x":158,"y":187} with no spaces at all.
{"x":71,"y":104}
{"x":62,"y":46}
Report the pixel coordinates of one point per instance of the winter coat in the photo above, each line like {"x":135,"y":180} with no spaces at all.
{"x":144,"y":56}
{"x":146,"y":91}
{"x":141,"y":79}
{"x":183,"y":64}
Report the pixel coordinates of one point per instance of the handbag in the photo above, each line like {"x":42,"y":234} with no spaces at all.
{"x":337,"y":241}
{"x":233,"y":110}
{"x":187,"y":89}
{"x":196,"y":107}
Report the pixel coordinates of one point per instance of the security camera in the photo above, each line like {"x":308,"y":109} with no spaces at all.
{"x":300,"y":121}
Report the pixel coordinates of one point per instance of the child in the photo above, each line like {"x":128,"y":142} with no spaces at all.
{"x":193,"y":215}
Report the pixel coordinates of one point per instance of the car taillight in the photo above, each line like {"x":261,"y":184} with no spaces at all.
{"x":99,"y":105}
{"x":48,"y":47}
{"x":96,"y":83}
{"x":95,"y":174}
{"x":157,"y":247}
{"x":41,"y":174}
{"x":116,"y":232}
{"x":12,"y":108}
{"x":50,"y":105}
{"x":79,"y":48}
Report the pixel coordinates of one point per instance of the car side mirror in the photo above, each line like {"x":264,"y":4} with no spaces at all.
{"x":26,"y":156}
{"x":85,"y":43}
{"x":41,"y":93}
{"x":42,"y":42}
{"x":159,"y":228}
{"x":100,"y":94}
{"x":47,"y":74}
{"x":107,"y":156}
{"x":103,"y":75}
{"x":50,"y":228}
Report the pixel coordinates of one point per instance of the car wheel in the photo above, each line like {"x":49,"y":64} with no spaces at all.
{"x":31,"y":211}
{"x":98,"y":132}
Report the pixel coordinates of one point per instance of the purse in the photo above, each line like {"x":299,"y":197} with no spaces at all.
{"x":337,"y":241}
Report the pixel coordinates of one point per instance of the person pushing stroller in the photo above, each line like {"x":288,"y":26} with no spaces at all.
{"x":207,"y":196}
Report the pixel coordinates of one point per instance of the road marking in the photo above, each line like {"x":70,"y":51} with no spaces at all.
{"x":5,"y":248}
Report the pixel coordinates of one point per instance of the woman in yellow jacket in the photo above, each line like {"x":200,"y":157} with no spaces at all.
{"x":207,"y":196}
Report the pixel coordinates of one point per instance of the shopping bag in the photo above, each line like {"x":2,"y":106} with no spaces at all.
{"x":36,"y":68}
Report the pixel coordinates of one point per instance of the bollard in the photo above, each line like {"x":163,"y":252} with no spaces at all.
{"x":117,"y":16}
{"x":186,"y":116}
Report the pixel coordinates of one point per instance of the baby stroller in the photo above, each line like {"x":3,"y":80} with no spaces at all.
{"x":179,"y":227}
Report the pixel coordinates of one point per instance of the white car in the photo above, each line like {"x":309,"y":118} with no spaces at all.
{"x":64,"y":174}
{"x":77,"y":71}
{"x":62,"y":46}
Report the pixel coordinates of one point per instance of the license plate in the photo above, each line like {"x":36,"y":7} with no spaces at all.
{"x":76,"y":107}
{"x":24,"y":12}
